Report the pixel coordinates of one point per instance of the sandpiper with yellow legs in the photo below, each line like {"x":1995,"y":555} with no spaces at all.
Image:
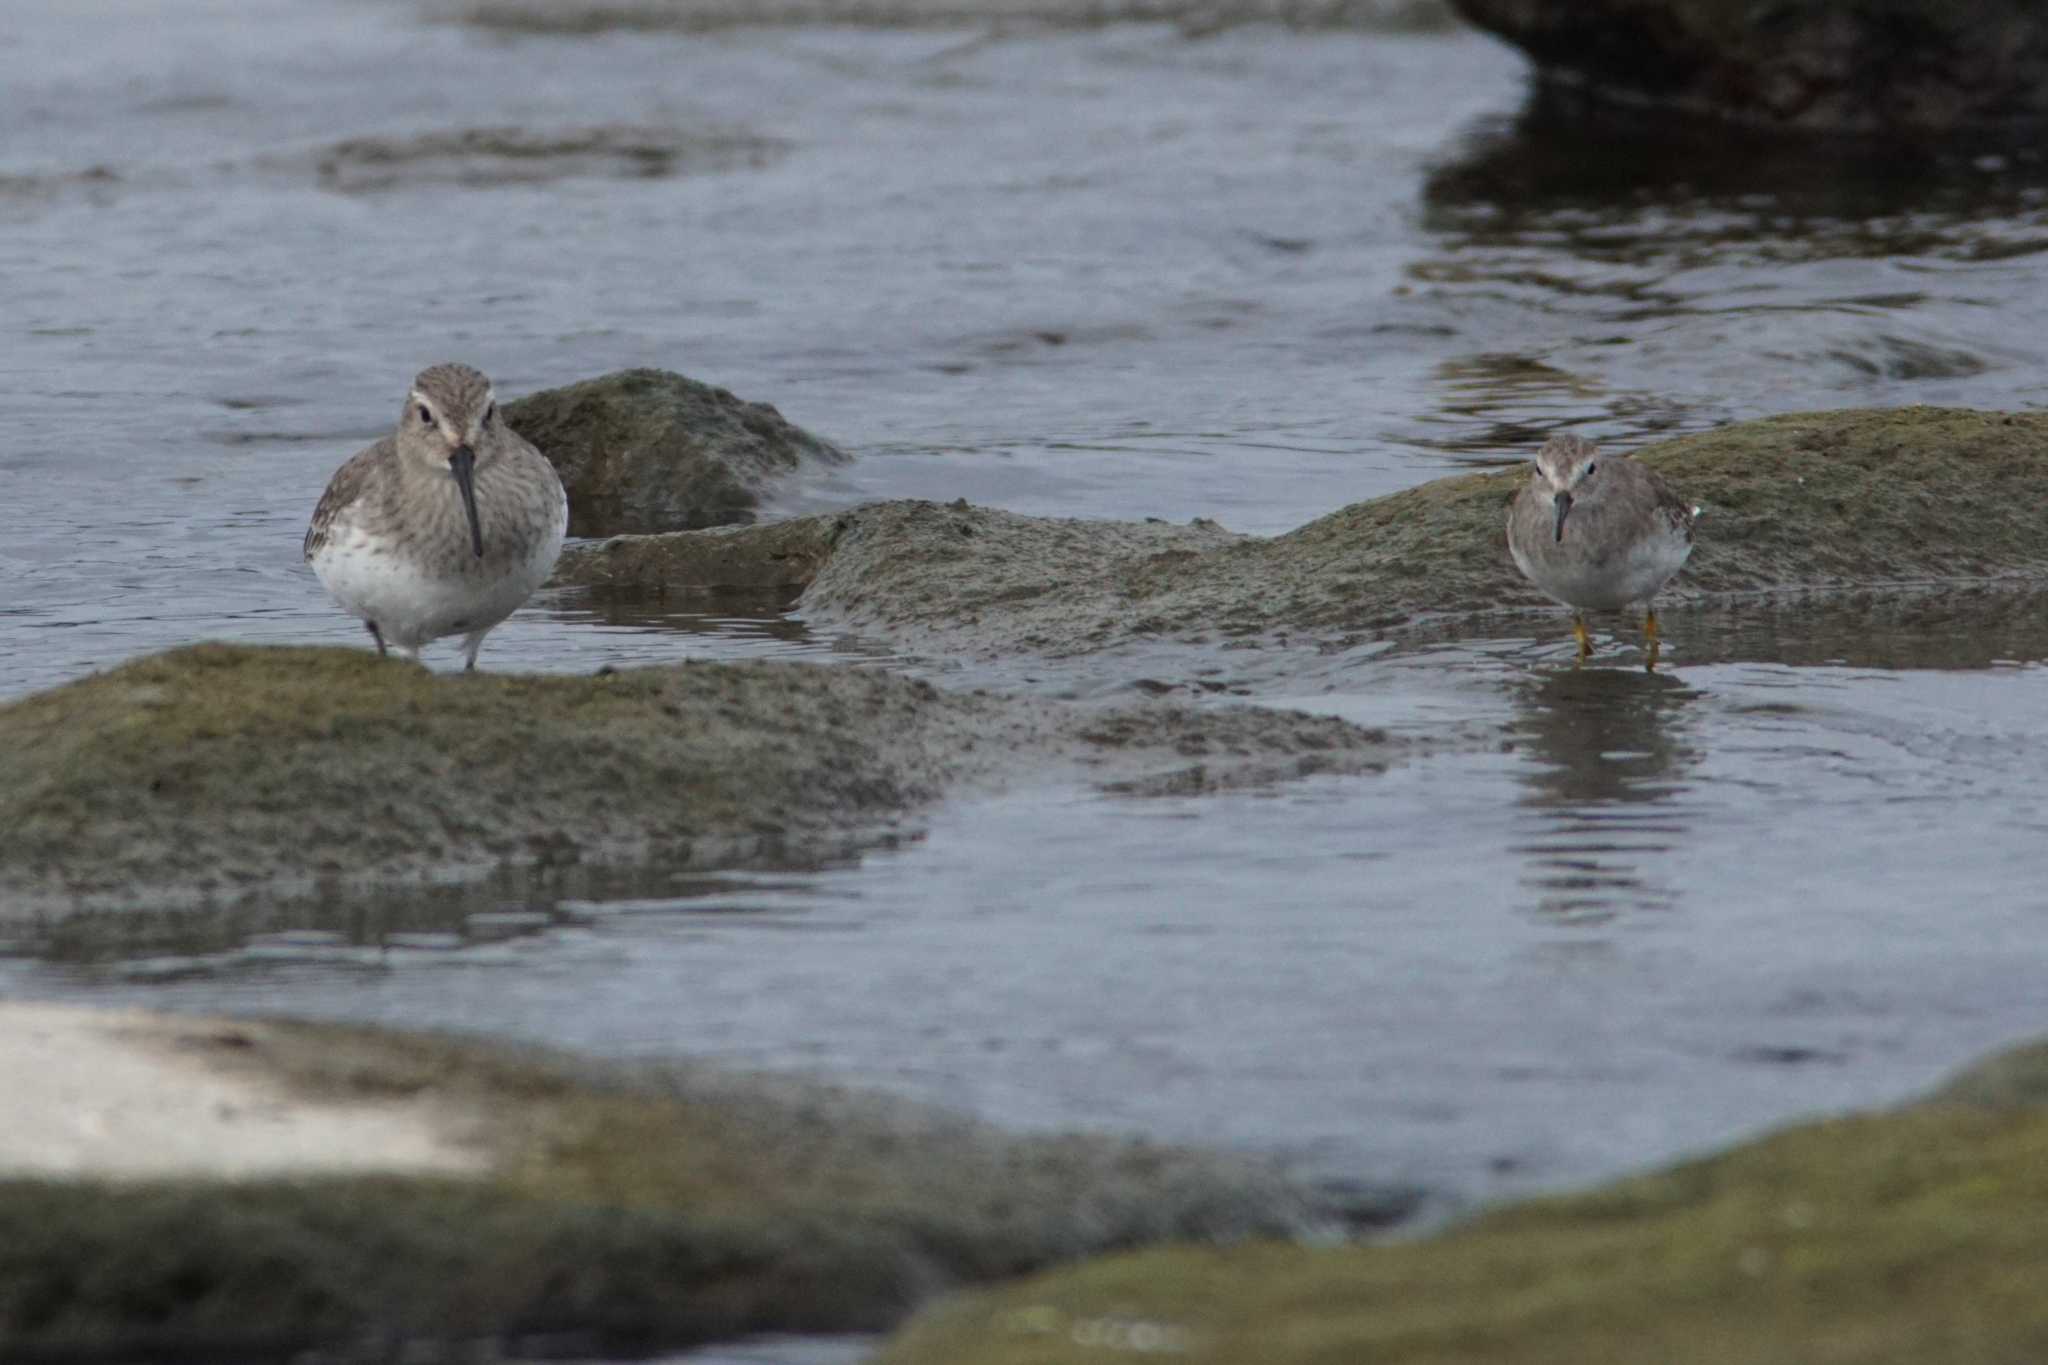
{"x":1598,"y":532}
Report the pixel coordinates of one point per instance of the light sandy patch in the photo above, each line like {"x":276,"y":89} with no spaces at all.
{"x":128,"y":1094}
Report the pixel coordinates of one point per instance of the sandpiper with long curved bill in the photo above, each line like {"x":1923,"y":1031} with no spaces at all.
{"x":443,"y":527}
{"x":1598,"y":532}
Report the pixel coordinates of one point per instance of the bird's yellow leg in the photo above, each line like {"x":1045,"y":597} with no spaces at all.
{"x":1585,"y":640}
{"x":1651,"y":641}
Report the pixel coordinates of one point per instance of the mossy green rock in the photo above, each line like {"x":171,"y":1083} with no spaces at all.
{"x":1827,"y":502}
{"x":1889,"y":1239}
{"x":215,"y":767}
{"x":209,"y":773}
{"x":1912,"y":66}
{"x":622,"y":1211}
{"x":649,"y":450}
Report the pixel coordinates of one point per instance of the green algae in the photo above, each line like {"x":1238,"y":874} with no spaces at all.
{"x":1882,"y":1239}
{"x":1827,"y":503}
{"x":621,"y":1211}
{"x":213,"y":768}
{"x":222,"y":776}
{"x":1812,"y":502}
{"x":271,"y":1269}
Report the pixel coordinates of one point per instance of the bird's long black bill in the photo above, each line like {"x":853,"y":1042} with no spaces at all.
{"x":462,"y":464}
{"x":1563,"y":503}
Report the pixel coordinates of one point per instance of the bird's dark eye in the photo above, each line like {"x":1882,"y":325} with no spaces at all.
{"x":426,"y":418}
{"x":1589,"y":470}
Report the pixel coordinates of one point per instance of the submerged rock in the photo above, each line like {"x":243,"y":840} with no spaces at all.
{"x":212,"y":773}
{"x":1883,"y":1239}
{"x":505,"y":156}
{"x":648,"y":450}
{"x":1839,"y":502}
{"x":612,"y":1211}
{"x":780,"y":554}
{"x":1867,"y":66}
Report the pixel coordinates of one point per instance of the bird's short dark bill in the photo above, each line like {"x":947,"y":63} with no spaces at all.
{"x":1563,"y":503}
{"x":462,"y":464}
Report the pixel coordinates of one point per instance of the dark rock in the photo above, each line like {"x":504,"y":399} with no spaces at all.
{"x":648,"y":450}
{"x":1840,"y":65}
{"x":1195,"y":17}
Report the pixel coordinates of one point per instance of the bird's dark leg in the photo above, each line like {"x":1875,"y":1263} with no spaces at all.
{"x":376,"y":635}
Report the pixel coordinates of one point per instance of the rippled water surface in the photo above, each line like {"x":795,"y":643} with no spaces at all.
{"x":1103,"y":270}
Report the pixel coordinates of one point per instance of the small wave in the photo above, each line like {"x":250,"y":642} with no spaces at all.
{"x":495,"y":156}
{"x":39,"y":188}
{"x":1903,"y":358}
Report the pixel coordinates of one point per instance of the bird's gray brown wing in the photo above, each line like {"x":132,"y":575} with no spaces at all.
{"x":1515,"y":512}
{"x":348,"y":486}
{"x":544,"y":468}
{"x":1667,"y":506}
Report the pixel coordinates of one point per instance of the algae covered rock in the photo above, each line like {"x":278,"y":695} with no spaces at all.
{"x":1849,"y":501}
{"x":648,"y":450}
{"x":780,"y":554}
{"x":196,"y":773}
{"x":1883,"y":1239}
{"x":618,"y":1212}
{"x":1821,"y":65}
{"x":213,"y":773}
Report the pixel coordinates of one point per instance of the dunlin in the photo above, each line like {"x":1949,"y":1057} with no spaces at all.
{"x":1598,"y":532}
{"x":443,"y":527}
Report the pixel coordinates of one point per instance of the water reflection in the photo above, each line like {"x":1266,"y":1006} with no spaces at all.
{"x":761,"y":613}
{"x":1969,"y":626}
{"x":1652,"y":269}
{"x":499,"y":919}
{"x":1609,"y":757}
{"x":1586,"y":174}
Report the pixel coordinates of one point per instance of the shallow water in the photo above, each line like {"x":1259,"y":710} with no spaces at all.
{"x":1108,"y":271}
{"x":1658,"y":911}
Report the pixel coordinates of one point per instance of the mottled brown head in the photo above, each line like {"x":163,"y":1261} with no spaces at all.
{"x":450,"y":425}
{"x":449,"y":406}
{"x":1565,"y":468}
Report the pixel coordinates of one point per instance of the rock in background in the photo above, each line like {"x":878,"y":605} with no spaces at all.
{"x":1863,"y":66}
{"x":649,"y":450}
{"x":1807,"y":504}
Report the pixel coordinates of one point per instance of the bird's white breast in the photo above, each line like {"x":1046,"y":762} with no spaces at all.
{"x":374,"y":578}
{"x":1631,"y":574}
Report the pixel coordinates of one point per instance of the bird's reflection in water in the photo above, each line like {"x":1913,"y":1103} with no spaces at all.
{"x":1607,"y":762}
